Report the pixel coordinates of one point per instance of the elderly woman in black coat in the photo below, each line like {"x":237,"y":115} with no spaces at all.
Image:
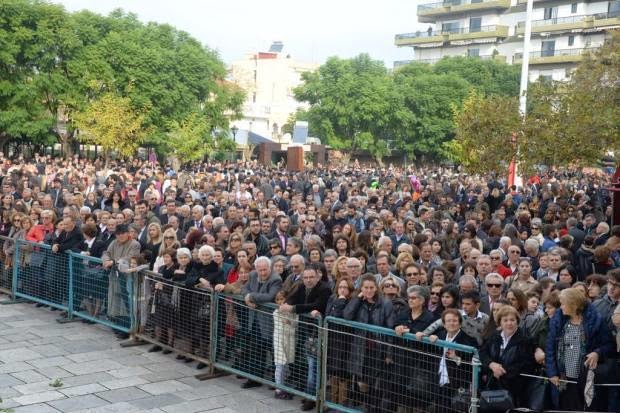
{"x":369,"y":359}
{"x":506,"y":355}
{"x":454,"y":371}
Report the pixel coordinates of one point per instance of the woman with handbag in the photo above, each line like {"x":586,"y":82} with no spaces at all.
{"x":505,"y":356}
{"x":578,"y":339}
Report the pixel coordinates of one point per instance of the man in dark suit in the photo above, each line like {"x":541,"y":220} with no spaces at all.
{"x":577,"y":234}
{"x":70,"y":239}
{"x":56,"y":193}
{"x":281,"y":233}
{"x":309,"y":298}
{"x":109,"y":234}
{"x":198,"y":212}
{"x":255,"y":235}
{"x":279,"y":201}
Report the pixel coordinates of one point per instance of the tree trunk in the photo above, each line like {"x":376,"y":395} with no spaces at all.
{"x":107,"y":158}
{"x":4,"y":139}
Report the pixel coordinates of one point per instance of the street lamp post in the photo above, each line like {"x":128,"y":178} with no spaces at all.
{"x":525,"y":68}
{"x":234,"y":131}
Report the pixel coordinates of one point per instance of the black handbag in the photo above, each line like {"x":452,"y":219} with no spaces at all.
{"x":496,"y":400}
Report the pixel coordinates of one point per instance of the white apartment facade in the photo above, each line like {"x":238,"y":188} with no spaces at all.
{"x":562,"y":31}
{"x":268,"y":79}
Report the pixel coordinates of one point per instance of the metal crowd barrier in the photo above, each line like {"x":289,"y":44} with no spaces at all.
{"x":262,"y":344}
{"x":175,"y":317}
{"x":41,"y":275}
{"x":340,"y":364}
{"x":369,"y":368}
{"x":101,"y":295}
{"x":6,"y":266}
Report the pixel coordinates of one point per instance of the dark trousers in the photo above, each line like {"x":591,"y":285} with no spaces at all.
{"x":256,"y":351}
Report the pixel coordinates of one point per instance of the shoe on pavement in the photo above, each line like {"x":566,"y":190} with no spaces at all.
{"x":250,"y":384}
{"x":308,"y":405}
{"x":155,"y":349}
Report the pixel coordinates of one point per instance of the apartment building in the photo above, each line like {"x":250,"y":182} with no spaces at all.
{"x":562,"y":31}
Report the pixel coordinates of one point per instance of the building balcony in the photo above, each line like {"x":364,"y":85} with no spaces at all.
{"x":543,"y":57}
{"x":428,"y":12}
{"x":482,"y":32}
{"x":421,"y":37}
{"x":400,"y":63}
{"x":443,"y":36}
{"x":600,"y":20}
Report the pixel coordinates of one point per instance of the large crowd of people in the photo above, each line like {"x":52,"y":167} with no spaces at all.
{"x":530,"y":276}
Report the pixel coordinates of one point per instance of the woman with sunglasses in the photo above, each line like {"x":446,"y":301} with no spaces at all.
{"x":235,"y":242}
{"x":169,"y":242}
{"x":391,"y":290}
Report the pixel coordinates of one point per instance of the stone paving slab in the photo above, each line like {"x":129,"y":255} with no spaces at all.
{"x":99,"y":376}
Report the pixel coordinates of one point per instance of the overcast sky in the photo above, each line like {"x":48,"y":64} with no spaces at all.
{"x":310,"y":30}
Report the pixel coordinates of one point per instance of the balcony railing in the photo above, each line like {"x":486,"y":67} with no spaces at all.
{"x":555,"y":20}
{"x":456,"y":30}
{"x":432,"y":6}
{"x":400,"y":63}
{"x":555,"y":56}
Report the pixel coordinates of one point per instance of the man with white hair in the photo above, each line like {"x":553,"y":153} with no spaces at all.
{"x":494,"y":284}
{"x":261,"y":288}
{"x":354,"y":271}
{"x":602,"y":234}
{"x":198,"y":212}
{"x":504,"y":244}
{"x":532,"y":251}
{"x":297,"y":265}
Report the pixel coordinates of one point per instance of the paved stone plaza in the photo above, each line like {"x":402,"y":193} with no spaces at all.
{"x":99,"y":376}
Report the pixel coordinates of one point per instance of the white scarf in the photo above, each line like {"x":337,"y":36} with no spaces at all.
{"x":443,"y":366}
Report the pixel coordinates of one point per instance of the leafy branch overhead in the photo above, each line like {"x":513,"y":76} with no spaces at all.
{"x":358,"y":104}
{"x":53,"y":64}
{"x":571,"y":123}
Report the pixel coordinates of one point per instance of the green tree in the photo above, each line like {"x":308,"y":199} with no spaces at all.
{"x":485,"y":127}
{"x":429,"y":98}
{"x":575,"y":122}
{"x":53,"y":63}
{"x":112,"y":123}
{"x":190,"y":139}
{"x":353,"y":104}
{"x":489,"y":76}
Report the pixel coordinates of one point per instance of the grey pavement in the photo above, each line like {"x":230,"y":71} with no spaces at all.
{"x":99,"y":376}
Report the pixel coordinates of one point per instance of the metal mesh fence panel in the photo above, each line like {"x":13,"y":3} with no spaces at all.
{"x":174,"y":317}
{"x":6,"y":265}
{"x":372,"y":369}
{"x":100,"y":295}
{"x":266,"y":345}
{"x":41,"y":275}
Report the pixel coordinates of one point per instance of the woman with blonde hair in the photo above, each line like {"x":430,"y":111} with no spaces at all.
{"x":169,"y":242}
{"x":403,"y":259}
{"x":578,"y":339}
{"x":154,"y":241}
{"x":340,"y":268}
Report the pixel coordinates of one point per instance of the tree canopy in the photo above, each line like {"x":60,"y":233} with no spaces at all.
{"x":54,"y":64}
{"x":570,"y":123}
{"x":357,"y":104}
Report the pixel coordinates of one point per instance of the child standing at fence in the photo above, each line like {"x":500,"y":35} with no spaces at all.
{"x":284,"y":326}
